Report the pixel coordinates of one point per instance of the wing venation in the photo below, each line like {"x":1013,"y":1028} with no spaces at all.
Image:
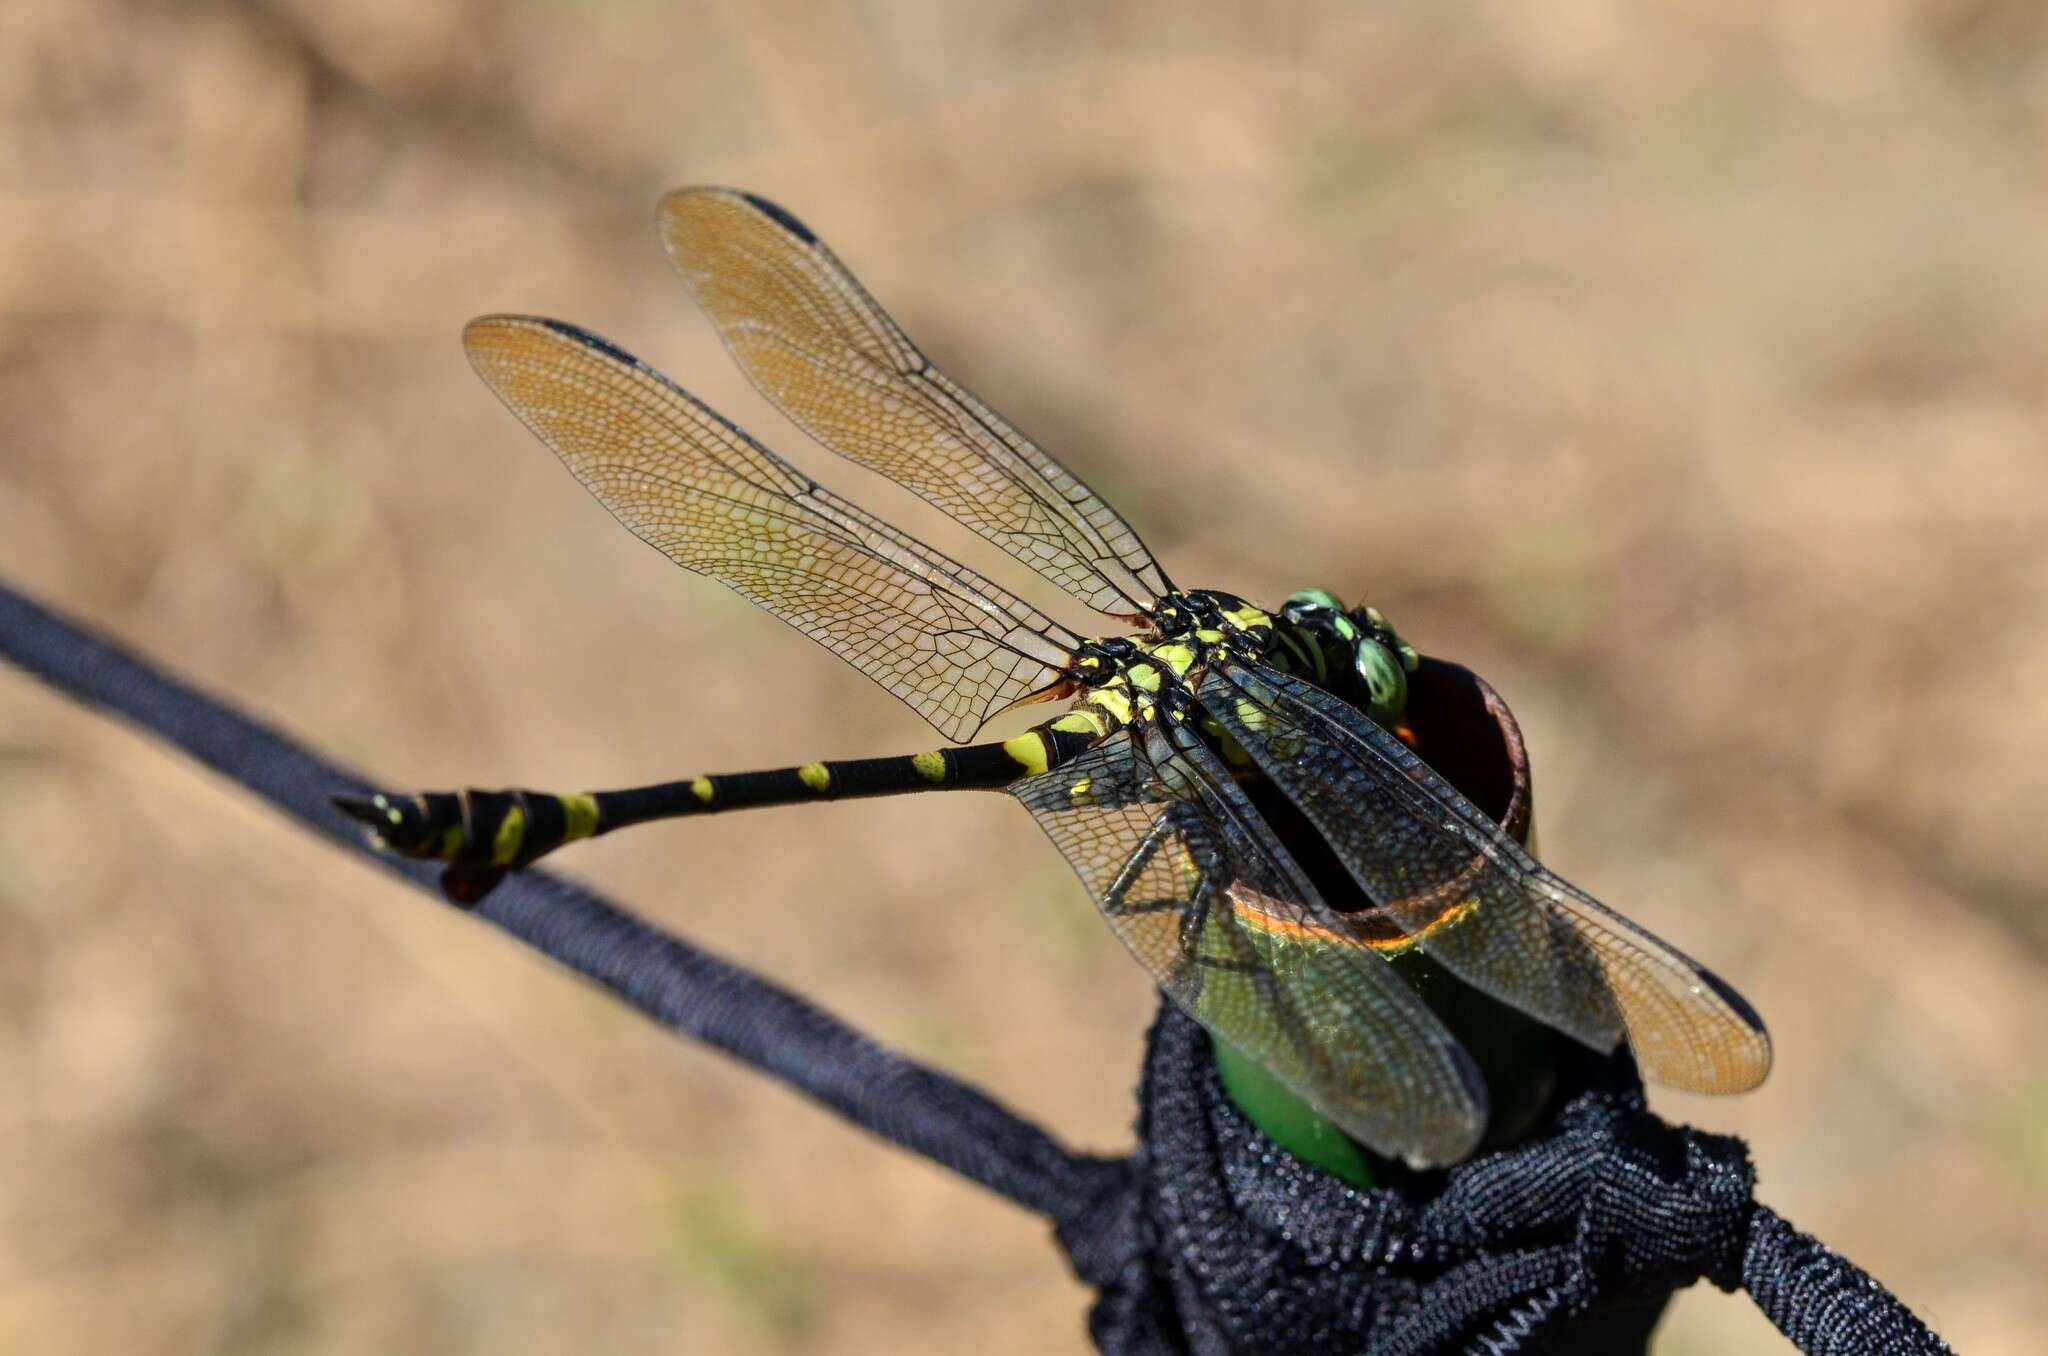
{"x":1424,"y":854}
{"x":812,"y":339}
{"x":1191,"y":879}
{"x":952,"y":645}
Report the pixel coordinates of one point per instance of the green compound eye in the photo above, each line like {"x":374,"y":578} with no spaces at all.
{"x":1386,"y":634}
{"x":1315,"y":600}
{"x":1385,"y":678}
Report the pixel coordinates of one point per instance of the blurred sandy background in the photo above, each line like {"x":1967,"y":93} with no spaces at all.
{"x":1678,"y":366}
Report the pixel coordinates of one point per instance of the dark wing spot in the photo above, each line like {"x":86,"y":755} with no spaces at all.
{"x":589,"y":340}
{"x":783,"y":218}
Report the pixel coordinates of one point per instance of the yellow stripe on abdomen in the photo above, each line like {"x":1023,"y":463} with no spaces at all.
{"x":1028,"y":752}
{"x":511,"y":833}
{"x":579,"y":816}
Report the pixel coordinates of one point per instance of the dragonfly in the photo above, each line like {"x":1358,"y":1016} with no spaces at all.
{"x":1187,"y":735}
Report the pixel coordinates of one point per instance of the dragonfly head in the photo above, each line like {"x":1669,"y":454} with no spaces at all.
{"x":1358,"y":643}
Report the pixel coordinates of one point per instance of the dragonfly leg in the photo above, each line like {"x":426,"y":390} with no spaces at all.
{"x":1116,"y":901}
{"x":1205,"y":864}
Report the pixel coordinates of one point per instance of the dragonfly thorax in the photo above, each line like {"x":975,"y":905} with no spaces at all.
{"x":1209,"y":618}
{"x":1134,"y":679}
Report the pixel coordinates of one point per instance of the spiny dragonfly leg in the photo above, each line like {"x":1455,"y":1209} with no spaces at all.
{"x":1195,"y":907}
{"x":1116,"y":901}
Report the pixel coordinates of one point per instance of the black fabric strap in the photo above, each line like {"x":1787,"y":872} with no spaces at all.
{"x":1209,"y":1238}
{"x":675,"y":983}
{"x":1825,"y":1303}
{"x":1571,"y":1241}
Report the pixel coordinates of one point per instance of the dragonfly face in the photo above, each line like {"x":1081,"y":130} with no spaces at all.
{"x":1235,"y":788}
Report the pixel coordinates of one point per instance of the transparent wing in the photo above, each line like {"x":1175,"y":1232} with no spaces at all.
{"x":953,"y":646}
{"x":1193,"y":882}
{"x":1479,"y":903}
{"x":809,"y":336}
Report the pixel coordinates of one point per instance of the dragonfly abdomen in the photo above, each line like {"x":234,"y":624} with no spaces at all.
{"x":484,"y":834}
{"x":972,"y":767}
{"x":480,"y":834}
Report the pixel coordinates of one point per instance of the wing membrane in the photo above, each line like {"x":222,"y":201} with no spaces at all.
{"x":809,"y":336}
{"x":1420,"y":849}
{"x":1176,"y":859}
{"x":953,"y":646}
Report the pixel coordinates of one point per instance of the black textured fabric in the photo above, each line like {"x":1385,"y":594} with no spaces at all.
{"x":1209,"y":1238}
{"x":1825,"y":1303}
{"x":1571,"y":1241}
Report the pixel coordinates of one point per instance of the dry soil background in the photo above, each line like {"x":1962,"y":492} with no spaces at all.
{"x":1680,"y":366}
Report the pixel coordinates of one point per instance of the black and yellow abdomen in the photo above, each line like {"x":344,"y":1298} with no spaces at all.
{"x":484,"y":834}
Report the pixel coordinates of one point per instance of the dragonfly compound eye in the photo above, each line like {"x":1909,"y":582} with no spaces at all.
{"x":1376,"y":625}
{"x":1385,"y":679}
{"x":1305,"y":603}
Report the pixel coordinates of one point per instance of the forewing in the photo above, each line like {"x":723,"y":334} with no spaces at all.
{"x":952,"y":645}
{"x":1481,"y":906}
{"x":809,"y":336}
{"x":1171,"y":851}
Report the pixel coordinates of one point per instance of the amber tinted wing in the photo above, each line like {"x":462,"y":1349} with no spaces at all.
{"x":1527,"y":936}
{"x":812,"y":339}
{"x":952,"y":645}
{"x":1171,"y":852}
